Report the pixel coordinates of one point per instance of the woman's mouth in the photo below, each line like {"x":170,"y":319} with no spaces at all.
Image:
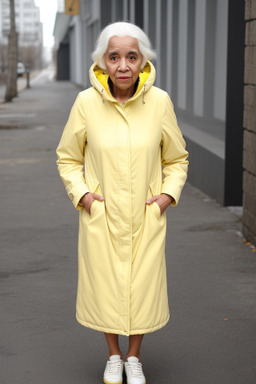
{"x":123,"y":78}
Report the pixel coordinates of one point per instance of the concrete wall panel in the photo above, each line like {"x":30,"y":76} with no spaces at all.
{"x":200,"y":15}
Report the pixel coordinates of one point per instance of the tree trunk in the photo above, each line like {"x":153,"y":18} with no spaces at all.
{"x":11,"y":84}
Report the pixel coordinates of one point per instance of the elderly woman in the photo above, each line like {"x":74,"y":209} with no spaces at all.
{"x":119,"y":134}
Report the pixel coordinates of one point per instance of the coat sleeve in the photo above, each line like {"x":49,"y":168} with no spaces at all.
{"x":174,"y":154}
{"x":70,"y":154}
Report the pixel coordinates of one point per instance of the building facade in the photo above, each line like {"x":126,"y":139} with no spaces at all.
{"x":249,"y":184}
{"x":28,"y":27}
{"x":27,"y":18}
{"x":200,"y":58}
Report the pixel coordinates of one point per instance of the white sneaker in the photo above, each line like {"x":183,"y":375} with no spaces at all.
{"x":113,"y":373}
{"x":134,"y":372}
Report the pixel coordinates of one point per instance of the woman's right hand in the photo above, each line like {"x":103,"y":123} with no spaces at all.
{"x":88,"y":199}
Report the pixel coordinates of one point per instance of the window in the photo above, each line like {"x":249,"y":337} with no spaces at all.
{"x":27,"y":5}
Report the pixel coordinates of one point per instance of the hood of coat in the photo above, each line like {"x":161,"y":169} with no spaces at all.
{"x":99,"y":80}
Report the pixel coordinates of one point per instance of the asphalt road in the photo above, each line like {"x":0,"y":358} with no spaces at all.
{"x":211,"y":337}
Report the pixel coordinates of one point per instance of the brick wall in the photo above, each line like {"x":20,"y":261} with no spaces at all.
{"x":249,"y":156}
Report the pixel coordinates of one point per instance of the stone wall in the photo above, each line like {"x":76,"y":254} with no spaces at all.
{"x":249,"y":157}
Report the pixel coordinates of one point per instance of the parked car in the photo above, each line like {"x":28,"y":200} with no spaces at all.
{"x":20,"y":69}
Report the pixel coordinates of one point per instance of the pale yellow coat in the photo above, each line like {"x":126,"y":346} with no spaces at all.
{"x":118,"y":151}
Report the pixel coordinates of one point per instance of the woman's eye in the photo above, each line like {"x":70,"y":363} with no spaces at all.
{"x":132,"y":58}
{"x":113,"y":58}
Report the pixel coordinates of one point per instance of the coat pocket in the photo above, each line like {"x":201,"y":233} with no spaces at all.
{"x":94,"y":187}
{"x":156,"y":210}
{"x":153,"y":191}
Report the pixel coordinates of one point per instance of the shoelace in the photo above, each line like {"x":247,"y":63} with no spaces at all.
{"x":135,"y":369}
{"x":114,"y":366}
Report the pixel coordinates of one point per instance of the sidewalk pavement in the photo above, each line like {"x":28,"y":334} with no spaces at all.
{"x":211,"y":337}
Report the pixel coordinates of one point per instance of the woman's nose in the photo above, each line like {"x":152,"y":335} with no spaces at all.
{"x":122,"y":65}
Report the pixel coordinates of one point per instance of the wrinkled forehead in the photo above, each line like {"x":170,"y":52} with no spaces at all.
{"x":125,"y":44}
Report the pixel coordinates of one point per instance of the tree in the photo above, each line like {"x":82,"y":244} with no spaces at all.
{"x":30,"y":55}
{"x":11,"y":83}
{"x":3,"y":57}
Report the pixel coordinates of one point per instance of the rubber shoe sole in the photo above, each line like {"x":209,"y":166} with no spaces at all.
{"x":108,"y":382}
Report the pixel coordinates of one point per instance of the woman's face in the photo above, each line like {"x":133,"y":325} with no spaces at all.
{"x":123,"y":61}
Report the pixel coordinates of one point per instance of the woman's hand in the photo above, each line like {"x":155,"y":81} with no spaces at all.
{"x":163,"y":201}
{"x":88,"y":199}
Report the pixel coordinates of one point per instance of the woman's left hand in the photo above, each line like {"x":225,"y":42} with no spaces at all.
{"x":163,"y":201}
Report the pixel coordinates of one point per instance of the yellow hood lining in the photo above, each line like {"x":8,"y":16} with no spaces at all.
{"x":102,"y":77}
